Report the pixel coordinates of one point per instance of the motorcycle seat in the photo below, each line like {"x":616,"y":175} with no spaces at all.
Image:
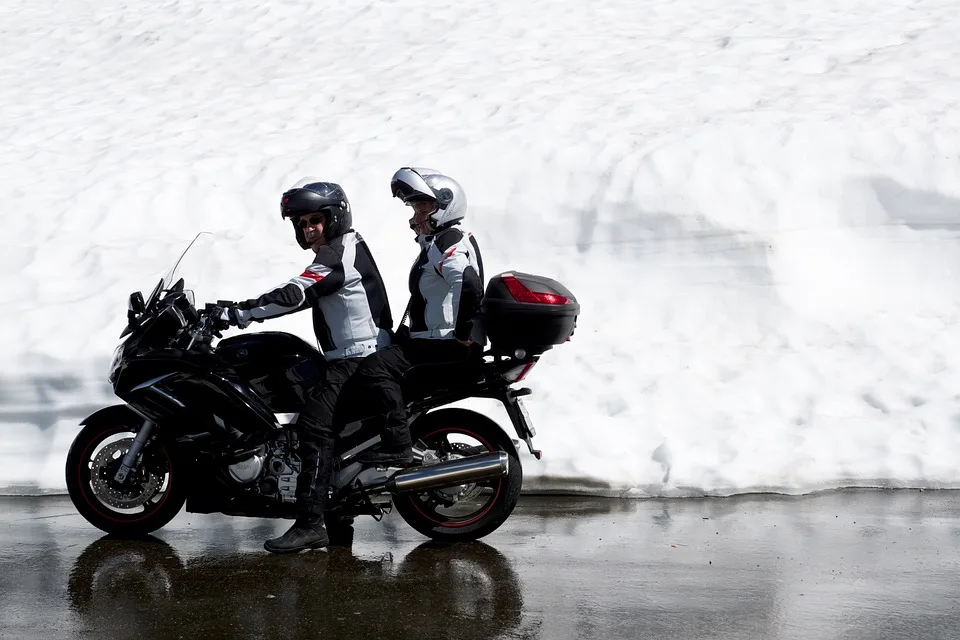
{"x":426,"y":379}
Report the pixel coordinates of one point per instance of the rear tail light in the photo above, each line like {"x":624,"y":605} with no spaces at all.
{"x":518,"y":373}
{"x":521,"y":293}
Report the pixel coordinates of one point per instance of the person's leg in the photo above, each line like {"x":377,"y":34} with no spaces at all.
{"x":316,"y":441}
{"x":384,"y":377}
{"x":377,"y":385}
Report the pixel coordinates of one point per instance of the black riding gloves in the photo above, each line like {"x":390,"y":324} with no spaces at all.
{"x":232,"y":315}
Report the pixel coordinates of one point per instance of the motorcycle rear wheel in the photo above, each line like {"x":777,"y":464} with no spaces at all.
{"x":149,"y":499}
{"x":449,"y":514}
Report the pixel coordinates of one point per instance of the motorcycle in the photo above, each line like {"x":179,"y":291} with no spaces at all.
{"x":210,"y":422}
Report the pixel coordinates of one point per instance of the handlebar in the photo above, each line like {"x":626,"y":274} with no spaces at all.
{"x":210,"y":319}
{"x":207,"y":327}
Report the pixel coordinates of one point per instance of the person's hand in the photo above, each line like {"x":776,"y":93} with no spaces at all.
{"x":230,"y":314}
{"x":466,"y":343}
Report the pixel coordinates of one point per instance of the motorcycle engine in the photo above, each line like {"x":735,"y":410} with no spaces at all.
{"x":280,"y":480}
{"x":275,"y":470}
{"x":246,"y":471}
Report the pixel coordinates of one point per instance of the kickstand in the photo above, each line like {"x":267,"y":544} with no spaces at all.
{"x":374,"y":509}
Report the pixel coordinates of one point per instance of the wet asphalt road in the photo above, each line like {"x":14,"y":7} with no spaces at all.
{"x":850,"y":565}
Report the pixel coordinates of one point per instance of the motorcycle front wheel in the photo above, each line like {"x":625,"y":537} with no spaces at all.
{"x":148,"y":499}
{"x":470,"y":511}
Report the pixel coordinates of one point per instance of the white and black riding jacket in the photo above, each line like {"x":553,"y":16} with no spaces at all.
{"x":351,"y":312}
{"x":446,"y":287}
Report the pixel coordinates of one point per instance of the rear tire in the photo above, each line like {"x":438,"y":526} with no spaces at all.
{"x":420,"y":510}
{"x":147,"y":501}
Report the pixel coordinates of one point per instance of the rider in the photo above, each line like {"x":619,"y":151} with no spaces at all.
{"x":351,"y":318}
{"x":446,"y":287}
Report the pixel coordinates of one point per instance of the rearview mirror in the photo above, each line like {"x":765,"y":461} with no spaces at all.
{"x":136,"y":303}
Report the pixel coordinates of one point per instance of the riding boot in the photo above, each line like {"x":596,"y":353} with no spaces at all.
{"x":396,"y":448}
{"x":392,"y":457}
{"x":339,"y":530}
{"x":308,"y":530}
{"x":304,"y":534}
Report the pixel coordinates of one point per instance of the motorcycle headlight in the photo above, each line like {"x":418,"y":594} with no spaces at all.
{"x":115,"y":362}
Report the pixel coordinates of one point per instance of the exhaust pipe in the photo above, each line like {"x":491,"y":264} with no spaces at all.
{"x":486,"y":466}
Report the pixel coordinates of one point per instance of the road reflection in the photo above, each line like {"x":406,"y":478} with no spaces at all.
{"x":142,"y":588}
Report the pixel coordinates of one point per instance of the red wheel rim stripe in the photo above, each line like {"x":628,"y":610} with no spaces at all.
{"x":489,"y":506}
{"x":95,"y":504}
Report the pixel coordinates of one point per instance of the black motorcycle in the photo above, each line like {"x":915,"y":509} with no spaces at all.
{"x":213,"y":426}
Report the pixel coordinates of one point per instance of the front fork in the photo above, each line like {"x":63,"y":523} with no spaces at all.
{"x":518,"y":416}
{"x":130,"y":458}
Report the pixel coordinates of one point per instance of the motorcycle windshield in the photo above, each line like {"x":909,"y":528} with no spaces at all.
{"x":188,"y":269}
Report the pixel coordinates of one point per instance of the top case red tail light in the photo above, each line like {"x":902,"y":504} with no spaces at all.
{"x":522,"y":293}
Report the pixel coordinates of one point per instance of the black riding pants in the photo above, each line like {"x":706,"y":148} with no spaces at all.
{"x":316,"y":435}
{"x":377,"y":382}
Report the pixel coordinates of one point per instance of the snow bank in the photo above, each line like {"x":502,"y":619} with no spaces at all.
{"x":755,"y":203}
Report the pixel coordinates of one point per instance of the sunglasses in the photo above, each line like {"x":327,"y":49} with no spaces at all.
{"x":312,"y":221}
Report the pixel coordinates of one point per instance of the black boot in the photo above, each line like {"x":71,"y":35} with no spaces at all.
{"x":306,"y":533}
{"x":394,"y":457}
{"x":340,"y":531}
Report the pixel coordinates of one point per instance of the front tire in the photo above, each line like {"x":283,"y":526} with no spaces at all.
{"x":151,"y":496}
{"x":448,"y":514}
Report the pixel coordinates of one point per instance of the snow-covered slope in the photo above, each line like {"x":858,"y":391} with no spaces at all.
{"x":756,"y":204}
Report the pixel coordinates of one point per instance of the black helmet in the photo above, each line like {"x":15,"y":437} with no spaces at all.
{"x":310,"y":195}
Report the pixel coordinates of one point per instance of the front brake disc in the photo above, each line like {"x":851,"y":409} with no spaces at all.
{"x":137,"y":489}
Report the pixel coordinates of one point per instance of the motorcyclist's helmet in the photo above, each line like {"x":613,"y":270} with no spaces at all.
{"x":312,"y":195}
{"x":415,"y":184}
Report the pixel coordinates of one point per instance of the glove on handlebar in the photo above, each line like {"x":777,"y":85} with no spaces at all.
{"x":227,"y":314}
{"x":231,"y":315}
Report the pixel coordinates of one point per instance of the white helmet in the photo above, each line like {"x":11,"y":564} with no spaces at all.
{"x":415,"y":184}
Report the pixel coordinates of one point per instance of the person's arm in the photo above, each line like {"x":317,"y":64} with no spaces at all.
{"x":323,"y":277}
{"x":464,"y":281}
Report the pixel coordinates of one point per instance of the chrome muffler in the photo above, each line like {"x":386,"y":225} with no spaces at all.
{"x":487,"y":466}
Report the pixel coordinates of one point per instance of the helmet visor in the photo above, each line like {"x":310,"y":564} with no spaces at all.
{"x":409,"y":186}
{"x":297,"y":202}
